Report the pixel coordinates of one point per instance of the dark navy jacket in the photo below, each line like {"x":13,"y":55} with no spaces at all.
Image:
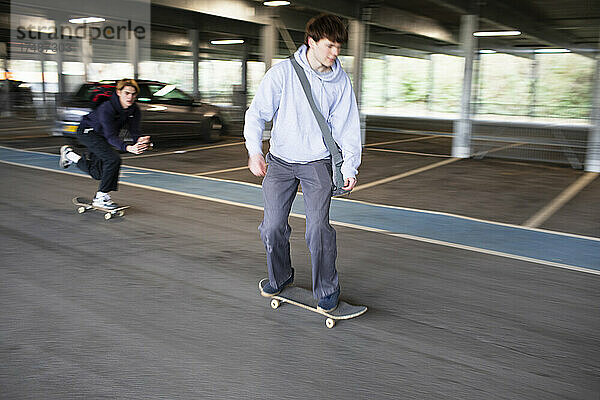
{"x":110,"y":117}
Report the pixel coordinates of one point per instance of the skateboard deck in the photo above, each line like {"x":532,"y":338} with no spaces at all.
{"x":85,"y":204}
{"x":303,"y":298}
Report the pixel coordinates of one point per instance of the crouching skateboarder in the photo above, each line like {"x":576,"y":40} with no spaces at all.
{"x":99,"y":132}
{"x":298,"y":155}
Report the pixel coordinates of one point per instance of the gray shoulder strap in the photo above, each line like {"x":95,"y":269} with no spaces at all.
{"x":332,"y":146}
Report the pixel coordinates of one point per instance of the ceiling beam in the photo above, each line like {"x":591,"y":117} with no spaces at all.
{"x":403,"y":21}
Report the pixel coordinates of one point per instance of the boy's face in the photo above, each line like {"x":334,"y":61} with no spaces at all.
{"x":127,"y":96}
{"x":325,"y":51}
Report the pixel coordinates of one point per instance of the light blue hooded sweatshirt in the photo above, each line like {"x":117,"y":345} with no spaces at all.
{"x":296,"y":136}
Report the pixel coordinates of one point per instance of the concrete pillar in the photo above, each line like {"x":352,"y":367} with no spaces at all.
{"x":244,"y":76}
{"x":86,"y":56}
{"x":592,"y":159}
{"x":357,"y":47}
{"x":461,"y":144}
{"x":477,"y":82}
{"x":133,"y":54}
{"x":59,"y":72}
{"x":357,"y":44}
{"x":269,"y":44}
{"x":430,"y":84}
{"x":194,"y":39}
{"x":533,"y":79}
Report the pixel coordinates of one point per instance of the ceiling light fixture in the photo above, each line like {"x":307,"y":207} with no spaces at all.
{"x":497,"y":33}
{"x":551,"y":51}
{"x":227,"y":41}
{"x":276,"y":3}
{"x":487,"y":51}
{"x":86,"y":20}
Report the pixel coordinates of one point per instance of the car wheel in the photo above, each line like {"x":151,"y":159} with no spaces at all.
{"x":214,"y":129}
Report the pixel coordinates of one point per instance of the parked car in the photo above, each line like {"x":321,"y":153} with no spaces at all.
{"x":18,"y":95}
{"x":166,"y":111}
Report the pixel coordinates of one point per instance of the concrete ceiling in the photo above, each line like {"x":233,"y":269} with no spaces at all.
{"x":404,"y":27}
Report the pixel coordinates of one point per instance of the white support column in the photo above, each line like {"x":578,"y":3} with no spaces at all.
{"x":592,"y":159}
{"x":357,"y":40}
{"x":245,"y":76}
{"x":133,"y":53}
{"x":59,"y":72}
{"x":430,"y":83}
{"x":269,"y":44}
{"x":533,"y":79}
{"x":4,"y":93}
{"x":461,"y":144}
{"x":193,"y":34}
{"x":86,"y":55}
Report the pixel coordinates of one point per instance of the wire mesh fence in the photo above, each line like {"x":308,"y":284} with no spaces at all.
{"x":555,"y":143}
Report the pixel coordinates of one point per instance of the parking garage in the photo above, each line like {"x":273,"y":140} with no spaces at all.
{"x":472,"y":235}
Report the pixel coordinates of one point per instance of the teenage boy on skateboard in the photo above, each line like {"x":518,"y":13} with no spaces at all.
{"x":298,"y":154}
{"x":99,"y":132}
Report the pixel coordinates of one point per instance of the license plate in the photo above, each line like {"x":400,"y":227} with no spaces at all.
{"x":71,"y":128}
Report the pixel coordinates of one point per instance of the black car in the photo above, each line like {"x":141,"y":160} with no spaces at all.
{"x":166,"y":111}
{"x":19,"y":96}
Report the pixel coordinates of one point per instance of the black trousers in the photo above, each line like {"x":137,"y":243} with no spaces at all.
{"x":102,"y":161}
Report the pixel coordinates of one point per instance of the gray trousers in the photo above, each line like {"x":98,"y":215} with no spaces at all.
{"x":279,"y":190}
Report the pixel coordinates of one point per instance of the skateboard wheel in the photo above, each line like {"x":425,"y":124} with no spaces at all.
{"x":274,"y":304}
{"x":330,"y":323}
{"x":81,"y":210}
{"x":107,"y":216}
{"x":121,"y":213}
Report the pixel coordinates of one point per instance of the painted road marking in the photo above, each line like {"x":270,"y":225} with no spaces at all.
{"x":24,"y":128}
{"x":156,"y":154}
{"x":578,"y":253}
{"x":405,"y":174}
{"x":542,"y":216}
{"x":222,"y":170}
{"x":408,"y":152}
{"x":401,"y":140}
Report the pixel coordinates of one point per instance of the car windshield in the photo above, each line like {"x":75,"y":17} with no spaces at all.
{"x":168,"y":93}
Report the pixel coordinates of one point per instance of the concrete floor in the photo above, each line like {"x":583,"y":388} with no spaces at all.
{"x":163,"y":303}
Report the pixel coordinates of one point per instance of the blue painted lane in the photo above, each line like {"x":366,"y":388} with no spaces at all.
{"x":541,"y":245}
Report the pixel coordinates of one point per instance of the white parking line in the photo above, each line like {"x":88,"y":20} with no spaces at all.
{"x":415,"y":153}
{"x":559,"y":201}
{"x":405,"y":174}
{"x":24,"y":128}
{"x":402,"y":140}
{"x":156,"y":154}
{"x":222,"y":170}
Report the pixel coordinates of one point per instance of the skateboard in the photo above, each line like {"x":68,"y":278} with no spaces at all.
{"x":86,"y":204}
{"x":303,"y":298}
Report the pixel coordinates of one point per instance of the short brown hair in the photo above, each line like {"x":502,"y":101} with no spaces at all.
{"x":128,"y":82}
{"x":326,"y":26}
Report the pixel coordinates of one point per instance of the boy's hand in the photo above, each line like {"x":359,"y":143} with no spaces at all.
{"x":349,"y":184}
{"x":137,"y":148}
{"x":257,"y":165}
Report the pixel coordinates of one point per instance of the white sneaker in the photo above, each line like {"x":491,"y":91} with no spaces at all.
{"x":104,"y":202}
{"x":64,"y":162}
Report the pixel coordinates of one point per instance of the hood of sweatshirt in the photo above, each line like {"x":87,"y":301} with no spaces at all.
{"x":332,"y":76}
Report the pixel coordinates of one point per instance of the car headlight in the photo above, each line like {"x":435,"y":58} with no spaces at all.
{"x":79,"y":112}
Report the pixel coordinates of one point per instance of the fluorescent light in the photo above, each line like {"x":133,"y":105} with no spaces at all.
{"x":276,"y":3}
{"x":227,"y":41}
{"x":498,"y":33}
{"x":86,"y":20}
{"x":552,"y":51}
{"x":487,"y":51}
